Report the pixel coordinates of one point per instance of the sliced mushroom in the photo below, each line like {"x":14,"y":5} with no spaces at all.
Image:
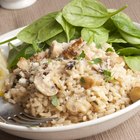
{"x":78,"y":106}
{"x":45,"y":85}
{"x":87,"y":82}
{"x":71,"y":51}
{"x":135,"y":94}
{"x":23,"y":64}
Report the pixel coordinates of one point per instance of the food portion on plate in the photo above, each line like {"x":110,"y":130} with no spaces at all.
{"x":73,"y":81}
{"x":78,"y":64}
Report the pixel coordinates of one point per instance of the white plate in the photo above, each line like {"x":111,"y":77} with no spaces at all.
{"x":74,"y":131}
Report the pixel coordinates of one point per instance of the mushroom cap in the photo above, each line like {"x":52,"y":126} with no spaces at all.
{"x":45,"y":85}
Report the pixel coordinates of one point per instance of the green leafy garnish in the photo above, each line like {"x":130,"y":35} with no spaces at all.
{"x":126,"y":28}
{"x":36,"y":47}
{"x":12,"y":46}
{"x":107,"y":75}
{"x":7,"y":41}
{"x":96,"y":61}
{"x":41,"y":30}
{"x":54,"y":100}
{"x":68,"y":28}
{"x":129,"y":51}
{"x":115,"y":37}
{"x":60,"y":38}
{"x":99,"y":35}
{"x":125,"y":24}
{"x":109,"y":50}
{"x":25,"y":50}
{"x":133,"y":62}
{"x":81,"y":56}
{"x":87,"y":13}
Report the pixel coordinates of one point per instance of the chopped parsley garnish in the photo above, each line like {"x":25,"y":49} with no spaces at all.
{"x":82,"y":80}
{"x":96,"y":61}
{"x":107,"y":75}
{"x":109,"y":50}
{"x":55,"y":101}
{"x":81,"y":56}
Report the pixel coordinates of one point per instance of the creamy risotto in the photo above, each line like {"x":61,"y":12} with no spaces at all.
{"x":73,"y":81}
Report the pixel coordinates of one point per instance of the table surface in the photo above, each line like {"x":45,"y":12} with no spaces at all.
{"x":12,"y":19}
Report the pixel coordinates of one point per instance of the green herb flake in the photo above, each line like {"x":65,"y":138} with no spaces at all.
{"x":96,"y":61}
{"x":107,"y":75}
{"x":82,"y":80}
{"x":109,"y":50}
{"x":54,"y":100}
{"x":81,"y":56}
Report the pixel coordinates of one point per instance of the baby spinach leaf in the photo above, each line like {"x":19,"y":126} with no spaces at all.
{"x":99,"y":35}
{"x":87,"y":13}
{"x":129,"y":38}
{"x":133,"y":62}
{"x":118,"y":46}
{"x":41,"y":30}
{"x":10,"y":45}
{"x":87,"y":35}
{"x":125,"y":24}
{"x":77,"y":33}
{"x":35,"y":46}
{"x":116,"y":38}
{"x":137,"y":46}
{"x":68,"y":28}
{"x":43,"y":46}
{"x":23,"y":50}
{"x":127,"y":29}
{"x":59,"y":38}
{"x":129,"y":51}
{"x":8,"y":40}
{"x":109,"y":25}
